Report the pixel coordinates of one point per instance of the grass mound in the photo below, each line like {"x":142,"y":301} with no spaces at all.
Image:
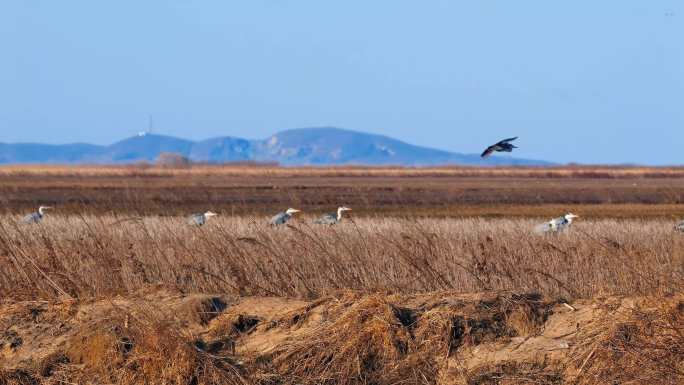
{"x":377,"y":339}
{"x":347,"y":338}
{"x":644,"y":343}
{"x":122,"y":350}
{"x":371,"y":341}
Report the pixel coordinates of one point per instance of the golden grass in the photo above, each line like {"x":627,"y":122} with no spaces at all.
{"x":644,"y":344}
{"x":105,"y":255}
{"x":347,"y":338}
{"x":129,"y":299}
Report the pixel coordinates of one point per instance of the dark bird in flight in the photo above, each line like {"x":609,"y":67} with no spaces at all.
{"x":502,"y":146}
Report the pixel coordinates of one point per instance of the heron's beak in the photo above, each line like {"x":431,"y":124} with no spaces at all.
{"x":295,"y":211}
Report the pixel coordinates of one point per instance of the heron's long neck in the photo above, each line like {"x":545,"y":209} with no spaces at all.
{"x":41,"y":211}
{"x":339,"y":214}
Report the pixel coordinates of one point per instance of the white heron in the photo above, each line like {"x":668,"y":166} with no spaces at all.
{"x":679,"y":226}
{"x":282,"y":218}
{"x":332,"y":218}
{"x":557,"y":225}
{"x":36,"y":217}
{"x":200,"y":219}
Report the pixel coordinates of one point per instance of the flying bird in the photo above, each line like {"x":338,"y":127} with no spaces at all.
{"x":200,"y":219}
{"x":557,"y":225}
{"x":36,"y":217}
{"x":502,"y":146}
{"x":282,"y":218}
{"x":332,"y":218}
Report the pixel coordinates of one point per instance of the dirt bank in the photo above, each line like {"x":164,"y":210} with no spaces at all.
{"x":159,"y":336}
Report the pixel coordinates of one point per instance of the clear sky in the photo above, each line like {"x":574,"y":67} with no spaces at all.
{"x":585,"y":81}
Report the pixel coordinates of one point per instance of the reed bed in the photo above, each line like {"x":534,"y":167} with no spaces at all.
{"x":96,"y":256}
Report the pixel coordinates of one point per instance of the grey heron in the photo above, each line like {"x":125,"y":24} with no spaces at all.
{"x":332,"y":218}
{"x":200,"y":219}
{"x":679,"y":226}
{"x":557,"y":225}
{"x":282,"y":218}
{"x":36,"y":217}
{"x":502,"y":146}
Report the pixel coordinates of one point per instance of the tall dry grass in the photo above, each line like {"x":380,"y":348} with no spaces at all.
{"x":92,"y":256}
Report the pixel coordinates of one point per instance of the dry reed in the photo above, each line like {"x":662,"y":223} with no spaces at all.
{"x":90,"y":256}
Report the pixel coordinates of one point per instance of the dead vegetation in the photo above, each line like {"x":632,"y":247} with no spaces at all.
{"x":433,"y":192}
{"x":267,"y":169}
{"x":83,"y":257}
{"x":105,"y":291}
{"x":91,"y":300}
{"x":644,"y":343}
{"x":117,"y":341}
{"x":346,"y":338}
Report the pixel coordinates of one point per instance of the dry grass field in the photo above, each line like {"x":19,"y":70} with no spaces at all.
{"x":96,"y":256}
{"x":441,"y":192}
{"x":437,"y":277}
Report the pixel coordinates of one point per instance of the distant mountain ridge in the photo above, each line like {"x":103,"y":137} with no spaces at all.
{"x":296,"y":147}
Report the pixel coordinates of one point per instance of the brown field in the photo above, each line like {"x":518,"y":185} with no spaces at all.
{"x":597,"y":192}
{"x":101,"y":256}
{"x":436,"y":278}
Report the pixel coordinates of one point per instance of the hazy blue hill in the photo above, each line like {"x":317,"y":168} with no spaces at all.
{"x":48,"y":153}
{"x":303,"y":146}
{"x":321,"y":146}
{"x":144,"y":148}
{"x":224,"y":149}
{"x":335,"y":146}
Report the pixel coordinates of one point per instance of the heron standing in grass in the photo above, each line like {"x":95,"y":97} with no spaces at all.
{"x":557,"y":225}
{"x":502,"y":146}
{"x":36,"y":217}
{"x":332,"y":218}
{"x":282,"y":218}
{"x":679,"y":226}
{"x":200,"y":219}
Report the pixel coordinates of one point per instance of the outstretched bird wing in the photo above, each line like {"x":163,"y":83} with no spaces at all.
{"x":508,"y":140}
{"x":502,"y":145}
{"x":488,"y":151}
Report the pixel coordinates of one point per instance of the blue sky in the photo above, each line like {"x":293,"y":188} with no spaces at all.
{"x":584,"y":81}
